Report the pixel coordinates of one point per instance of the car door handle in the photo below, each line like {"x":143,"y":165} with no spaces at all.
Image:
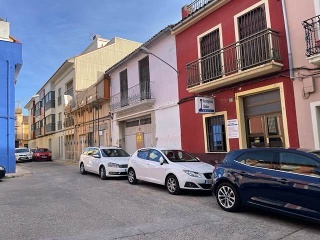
{"x":282,"y":180}
{"x":244,"y":173}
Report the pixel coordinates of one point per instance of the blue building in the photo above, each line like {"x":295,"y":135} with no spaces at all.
{"x":10,"y":64}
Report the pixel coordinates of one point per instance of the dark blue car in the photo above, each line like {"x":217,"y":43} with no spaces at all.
{"x":284,"y":180}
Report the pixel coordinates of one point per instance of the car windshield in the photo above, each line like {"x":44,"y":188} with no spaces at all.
{"x":22,"y":150}
{"x":116,"y":152}
{"x":179,"y":156}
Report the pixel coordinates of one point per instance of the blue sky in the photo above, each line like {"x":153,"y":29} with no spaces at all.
{"x":53,"y":31}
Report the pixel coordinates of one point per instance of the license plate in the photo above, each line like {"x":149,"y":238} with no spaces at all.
{"x":208,"y":181}
{"x":44,"y":156}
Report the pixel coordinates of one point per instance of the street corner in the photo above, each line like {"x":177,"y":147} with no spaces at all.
{"x":19,"y":173}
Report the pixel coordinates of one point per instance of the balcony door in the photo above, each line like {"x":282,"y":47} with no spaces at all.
{"x":254,"y":42}
{"x":210,"y":56}
{"x":124,"y":88}
{"x":144,"y":78}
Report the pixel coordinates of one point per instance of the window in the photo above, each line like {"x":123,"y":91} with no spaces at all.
{"x":210,"y":56}
{"x":216,"y":134}
{"x":59,"y":96}
{"x":262,"y":159}
{"x":144,"y":77}
{"x":292,"y":162}
{"x":124,"y":87}
{"x":254,"y":45}
{"x":143,"y":154}
{"x":154,"y":155}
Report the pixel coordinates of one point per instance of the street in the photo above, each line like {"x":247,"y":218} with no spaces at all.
{"x":56,"y":202}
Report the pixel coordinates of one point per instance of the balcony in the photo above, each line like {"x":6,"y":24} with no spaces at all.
{"x":68,"y":122}
{"x":50,"y":128}
{"x":251,"y":57}
{"x":59,"y":125}
{"x":312,"y":37}
{"x":39,"y":131}
{"x":49,"y":104}
{"x":138,"y":95}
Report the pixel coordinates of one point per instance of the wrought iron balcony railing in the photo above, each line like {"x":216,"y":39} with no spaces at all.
{"x":134,"y":95}
{"x":51,"y":127}
{"x":197,"y":4}
{"x":250,"y":52}
{"x":312,"y":35}
{"x":59,"y":125}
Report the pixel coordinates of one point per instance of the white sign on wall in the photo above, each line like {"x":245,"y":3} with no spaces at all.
{"x":233,"y":130}
{"x":204,"y":105}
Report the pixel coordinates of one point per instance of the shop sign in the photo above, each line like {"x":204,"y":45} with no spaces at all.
{"x":204,"y":105}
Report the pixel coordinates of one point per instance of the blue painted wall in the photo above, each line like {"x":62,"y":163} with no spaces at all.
{"x":10,"y":64}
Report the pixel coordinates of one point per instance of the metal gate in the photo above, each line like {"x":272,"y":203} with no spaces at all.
{"x":132,"y":127}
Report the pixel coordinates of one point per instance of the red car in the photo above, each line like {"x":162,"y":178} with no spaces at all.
{"x":42,"y":154}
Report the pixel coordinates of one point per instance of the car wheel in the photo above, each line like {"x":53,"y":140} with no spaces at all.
{"x":132,"y":176}
{"x":82,"y":169}
{"x":102,"y":171}
{"x":172,"y":185}
{"x":228,"y":197}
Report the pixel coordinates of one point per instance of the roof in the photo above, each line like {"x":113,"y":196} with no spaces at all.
{"x":135,"y":52}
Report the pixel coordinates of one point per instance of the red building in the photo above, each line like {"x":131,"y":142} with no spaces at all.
{"x":234,"y":53}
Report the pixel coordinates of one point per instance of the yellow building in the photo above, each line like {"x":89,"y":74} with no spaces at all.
{"x":53,"y":124}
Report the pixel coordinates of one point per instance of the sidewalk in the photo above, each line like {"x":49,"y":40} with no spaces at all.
{"x":20,"y":171}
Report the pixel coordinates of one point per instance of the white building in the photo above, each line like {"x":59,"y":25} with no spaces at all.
{"x":144,"y":96}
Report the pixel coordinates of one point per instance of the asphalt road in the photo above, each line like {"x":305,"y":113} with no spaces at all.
{"x":57,"y":202}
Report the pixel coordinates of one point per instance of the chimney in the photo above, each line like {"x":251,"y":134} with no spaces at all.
{"x":186,"y":10}
{"x":4,"y":30}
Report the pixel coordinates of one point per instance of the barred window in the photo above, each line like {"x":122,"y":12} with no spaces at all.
{"x":216,"y":134}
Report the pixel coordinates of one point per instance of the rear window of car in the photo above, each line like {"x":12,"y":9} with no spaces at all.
{"x":42,"y":150}
{"x":116,"y":152}
{"x":143,"y":154}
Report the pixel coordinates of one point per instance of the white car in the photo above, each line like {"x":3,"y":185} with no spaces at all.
{"x":175,"y":169}
{"x":23,"y":154}
{"x":105,"y":161}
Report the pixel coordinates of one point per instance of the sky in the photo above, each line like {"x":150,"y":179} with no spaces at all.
{"x":53,"y":31}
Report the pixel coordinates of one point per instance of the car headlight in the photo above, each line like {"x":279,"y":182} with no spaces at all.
{"x":192,"y":173}
{"x":2,"y":168}
{"x":110,"y":164}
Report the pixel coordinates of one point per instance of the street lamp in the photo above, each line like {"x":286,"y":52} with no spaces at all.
{"x":147,"y":51}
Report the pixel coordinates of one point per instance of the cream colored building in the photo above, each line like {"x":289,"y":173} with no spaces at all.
{"x":51,"y":122}
{"x":21,"y":128}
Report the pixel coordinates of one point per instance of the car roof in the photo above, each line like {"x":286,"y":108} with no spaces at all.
{"x":160,"y":148}
{"x":103,"y":147}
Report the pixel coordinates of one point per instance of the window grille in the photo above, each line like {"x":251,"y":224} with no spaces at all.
{"x":216,"y":134}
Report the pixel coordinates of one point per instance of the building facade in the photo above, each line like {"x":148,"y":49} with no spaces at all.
{"x":303,"y":26}
{"x":51,"y":120}
{"x":234,"y":54}
{"x":10,"y":65}
{"x":21,"y":128}
{"x":144,"y":96}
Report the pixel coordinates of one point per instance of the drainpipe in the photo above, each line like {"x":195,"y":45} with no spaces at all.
{"x":288,"y":39}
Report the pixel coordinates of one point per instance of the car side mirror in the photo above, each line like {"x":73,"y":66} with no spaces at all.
{"x":161,"y":160}
{"x":96,"y":155}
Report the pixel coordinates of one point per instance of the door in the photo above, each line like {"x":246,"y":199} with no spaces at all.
{"x":156,"y":172}
{"x":140,"y":164}
{"x":95,"y":161}
{"x":298,"y":184}
{"x":255,"y":177}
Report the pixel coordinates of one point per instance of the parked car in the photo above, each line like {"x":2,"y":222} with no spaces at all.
{"x":175,"y":169}
{"x":278,"y":179}
{"x":23,"y":154}
{"x":2,"y":172}
{"x":105,"y":161}
{"x":42,"y":154}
